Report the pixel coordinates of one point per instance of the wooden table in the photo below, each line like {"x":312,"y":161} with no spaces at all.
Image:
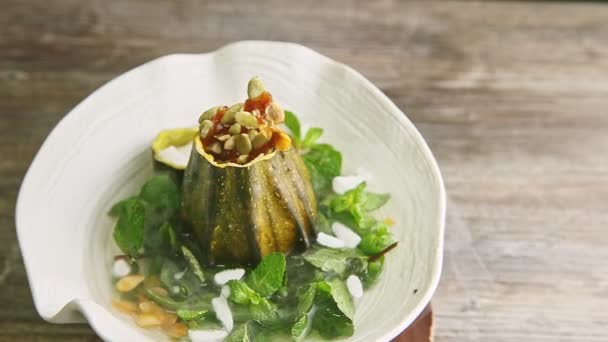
{"x":512,"y":97}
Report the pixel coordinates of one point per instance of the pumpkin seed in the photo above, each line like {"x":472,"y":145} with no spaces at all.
{"x":258,"y":141}
{"x":147,"y":320}
{"x":208,"y":114}
{"x":252,"y":133}
{"x":215,"y":148}
{"x":124,"y":306}
{"x":206,"y":126}
{"x":242,"y":159}
{"x":275,"y":113}
{"x":235,"y":129}
{"x":223,"y":138}
{"x":246,"y":119}
{"x":243,"y":144}
{"x":128,"y":283}
{"x":255,"y":88}
{"x":229,"y":144}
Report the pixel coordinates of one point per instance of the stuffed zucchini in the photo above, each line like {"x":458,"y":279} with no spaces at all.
{"x":246,"y":192}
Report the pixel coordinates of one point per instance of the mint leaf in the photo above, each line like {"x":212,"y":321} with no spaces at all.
{"x":267,"y":277}
{"x":264,"y":311}
{"x":129,"y":229}
{"x":337,"y":261}
{"x":162,"y":193}
{"x":243,"y":333}
{"x":299,"y":328}
{"x":194,"y":264}
{"x":329,"y":320}
{"x":324,"y":163}
{"x":242,"y":294}
{"x":190,"y":315}
{"x":312,"y":135}
{"x":376,"y":239}
{"x":292,"y":122}
{"x":342,"y":297}
{"x":306,"y":299}
{"x":353,"y":207}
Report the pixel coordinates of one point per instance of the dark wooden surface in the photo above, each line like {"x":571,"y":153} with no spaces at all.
{"x":512,"y":98}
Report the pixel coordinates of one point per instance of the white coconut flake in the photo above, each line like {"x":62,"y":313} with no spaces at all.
{"x":329,"y":241}
{"x":350,"y":238}
{"x":342,"y":184}
{"x":177,"y":156}
{"x":207,"y":335}
{"x":353,"y":283}
{"x":121,"y":268}
{"x":223,"y":277}
{"x":222,"y":312}
{"x":225,"y":291}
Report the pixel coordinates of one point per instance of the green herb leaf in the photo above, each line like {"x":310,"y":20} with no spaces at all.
{"x":306,"y":299}
{"x":312,"y":135}
{"x":162,"y":193}
{"x":299,"y":328}
{"x":353,"y":207}
{"x":376,"y":239}
{"x":264,"y":311}
{"x":292,"y":122}
{"x":267,"y":277}
{"x":243,"y":333}
{"x":342,"y":297}
{"x":129,"y":229}
{"x":329,"y":319}
{"x":324,"y":163}
{"x":374,"y":268}
{"x":242,"y":294}
{"x":194,"y":264}
{"x":337,"y":261}
{"x":190,"y":315}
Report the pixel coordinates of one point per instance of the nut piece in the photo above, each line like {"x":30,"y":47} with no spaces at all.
{"x":255,"y":88}
{"x":169,"y":319}
{"x":223,"y":138}
{"x":258,"y":141}
{"x":275,"y":113}
{"x":128,"y":283}
{"x":124,"y":306}
{"x":150,"y":307}
{"x":235,"y":129}
{"x":176,"y":330}
{"x":205,"y":128}
{"x":246,"y":119}
{"x":215,"y":148}
{"x":230,"y":143}
{"x":160,"y":291}
{"x":282,"y":141}
{"x":242,"y":159}
{"x":228,"y":117}
{"x":147,"y":320}
{"x":208,"y":114}
{"x":252,"y":133}
{"x":243,"y":144}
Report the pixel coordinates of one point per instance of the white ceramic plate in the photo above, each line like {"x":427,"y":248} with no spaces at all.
{"x":100,"y":152}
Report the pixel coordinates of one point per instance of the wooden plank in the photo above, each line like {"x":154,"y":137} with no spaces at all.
{"x":512,"y":98}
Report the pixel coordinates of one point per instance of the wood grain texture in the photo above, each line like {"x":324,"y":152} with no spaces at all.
{"x":512,"y":98}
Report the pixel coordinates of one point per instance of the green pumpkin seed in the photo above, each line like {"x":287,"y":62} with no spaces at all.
{"x":208,"y":114}
{"x":243,"y":144}
{"x":223,"y":138}
{"x":258,"y":141}
{"x":275,"y":113}
{"x":252,"y":133}
{"x":229,"y":144}
{"x":255,"y":88}
{"x":228,"y":117}
{"x":205,"y":128}
{"x":235,"y":129}
{"x":242,"y":159}
{"x":215,"y":148}
{"x":246,"y":119}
